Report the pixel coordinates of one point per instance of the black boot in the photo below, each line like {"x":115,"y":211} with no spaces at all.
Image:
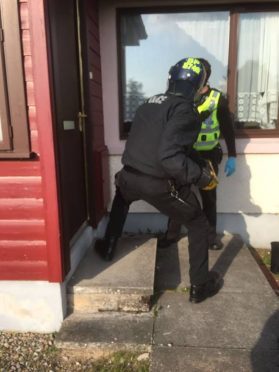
{"x":106,"y":248}
{"x":214,"y":242}
{"x":216,"y":246}
{"x":211,"y":287}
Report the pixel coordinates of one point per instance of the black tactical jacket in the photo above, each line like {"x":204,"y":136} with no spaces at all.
{"x":161,"y":139}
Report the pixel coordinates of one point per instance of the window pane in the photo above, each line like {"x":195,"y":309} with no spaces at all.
{"x":258,"y":71}
{"x":152,"y":43}
{"x":13,"y":108}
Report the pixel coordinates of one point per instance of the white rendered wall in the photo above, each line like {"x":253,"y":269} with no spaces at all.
{"x":252,"y":189}
{"x":31,"y":306}
{"x":40,"y":306}
{"x":248,"y":202}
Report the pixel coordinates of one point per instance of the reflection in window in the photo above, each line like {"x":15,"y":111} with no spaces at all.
{"x":152,"y":43}
{"x":258,"y":71}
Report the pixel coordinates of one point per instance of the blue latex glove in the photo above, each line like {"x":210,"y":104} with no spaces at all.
{"x":230,"y":166}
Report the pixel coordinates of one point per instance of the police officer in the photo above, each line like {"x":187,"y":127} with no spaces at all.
{"x":216,"y":120}
{"x":158,"y":167}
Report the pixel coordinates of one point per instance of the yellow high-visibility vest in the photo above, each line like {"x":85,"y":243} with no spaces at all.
{"x":209,"y":135}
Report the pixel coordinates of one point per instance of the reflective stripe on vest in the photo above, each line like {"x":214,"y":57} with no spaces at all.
{"x":209,"y":135}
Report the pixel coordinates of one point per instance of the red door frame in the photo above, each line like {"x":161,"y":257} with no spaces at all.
{"x":46,"y":143}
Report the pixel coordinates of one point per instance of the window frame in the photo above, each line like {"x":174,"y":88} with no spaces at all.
{"x":17,"y":126}
{"x":5,"y":144}
{"x":234,"y":10}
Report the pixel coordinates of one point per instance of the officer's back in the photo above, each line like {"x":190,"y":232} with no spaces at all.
{"x":161,"y":123}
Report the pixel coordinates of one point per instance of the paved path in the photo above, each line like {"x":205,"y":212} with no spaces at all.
{"x":237,"y":330}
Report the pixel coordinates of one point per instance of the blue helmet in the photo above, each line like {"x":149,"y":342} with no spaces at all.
{"x":186,"y":77}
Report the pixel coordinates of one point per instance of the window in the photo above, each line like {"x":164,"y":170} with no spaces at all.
{"x":258,"y":72}
{"x":245,"y":44}
{"x":14,"y":134}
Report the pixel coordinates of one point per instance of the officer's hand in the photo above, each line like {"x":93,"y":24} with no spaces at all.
{"x":208,"y":179}
{"x":230,"y":166}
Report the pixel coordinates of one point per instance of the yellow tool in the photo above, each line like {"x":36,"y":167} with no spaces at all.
{"x":214,"y":181}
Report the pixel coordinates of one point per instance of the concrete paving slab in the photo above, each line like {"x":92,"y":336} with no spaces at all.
{"x":166,"y":359}
{"x":241,"y":274}
{"x":238,"y":329}
{"x":227,"y":320}
{"x":107,"y":327}
{"x":104,"y":333}
{"x":235,"y":262}
{"x":172,"y":267}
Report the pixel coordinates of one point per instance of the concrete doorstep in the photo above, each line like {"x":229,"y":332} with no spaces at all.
{"x":124,"y":284}
{"x":109,"y":302}
{"x":99,"y":335}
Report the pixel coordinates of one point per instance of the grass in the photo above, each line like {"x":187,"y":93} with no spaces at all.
{"x":122,"y":362}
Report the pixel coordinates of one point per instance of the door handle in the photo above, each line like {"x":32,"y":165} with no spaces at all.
{"x":81,"y":117}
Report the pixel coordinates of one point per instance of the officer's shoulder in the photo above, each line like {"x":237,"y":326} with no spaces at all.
{"x":157,"y":99}
{"x":180,"y":105}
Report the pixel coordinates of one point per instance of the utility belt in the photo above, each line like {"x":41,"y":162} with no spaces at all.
{"x":173,"y":187}
{"x":174,"y":192}
{"x":215,"y":154}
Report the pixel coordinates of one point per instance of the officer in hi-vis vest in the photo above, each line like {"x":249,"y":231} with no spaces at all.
{"x":216,"y":120}
{"x":158,"y":168}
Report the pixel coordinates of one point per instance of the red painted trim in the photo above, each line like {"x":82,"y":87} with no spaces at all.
{"x":44,"y":123}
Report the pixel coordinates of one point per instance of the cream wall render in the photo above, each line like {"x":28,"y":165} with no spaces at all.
{"x":252,"y":189}
{"x":248,"y":201}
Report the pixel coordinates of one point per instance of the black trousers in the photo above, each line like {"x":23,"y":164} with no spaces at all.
{"x":117,"y":216}
{"x":209,"y":201}
{"x":157,"y":192}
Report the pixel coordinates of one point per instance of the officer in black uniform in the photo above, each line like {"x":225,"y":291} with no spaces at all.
{"x":216,"y":117}
{"x":158,"y":168}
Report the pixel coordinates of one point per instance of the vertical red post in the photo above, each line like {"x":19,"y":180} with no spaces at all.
{"x":46,"y":143}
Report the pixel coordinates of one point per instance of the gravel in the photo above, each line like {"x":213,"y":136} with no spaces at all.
{"x":37,"y":352}
{"x":27,"y":352}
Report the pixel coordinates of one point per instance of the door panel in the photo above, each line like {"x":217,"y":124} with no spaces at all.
{"x":67,"y":105}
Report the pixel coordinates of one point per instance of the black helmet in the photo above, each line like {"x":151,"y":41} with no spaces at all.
{"x":207,"y":67}
{"x":186,"y":77}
